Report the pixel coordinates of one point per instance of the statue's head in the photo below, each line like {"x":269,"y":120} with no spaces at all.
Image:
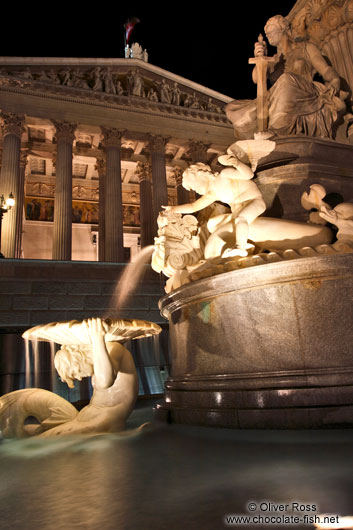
{"x":275,"y":28}
{"x":73,"y":362}
{"x":197,"y":177}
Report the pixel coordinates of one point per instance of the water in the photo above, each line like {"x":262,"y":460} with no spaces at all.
{"x":170,"y":477}
{"x":128,"y":281}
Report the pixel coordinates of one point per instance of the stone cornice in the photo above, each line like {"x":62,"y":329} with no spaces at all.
{"x":127,"y":103}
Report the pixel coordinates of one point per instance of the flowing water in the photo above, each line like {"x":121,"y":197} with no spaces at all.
{"x":129,"y":280}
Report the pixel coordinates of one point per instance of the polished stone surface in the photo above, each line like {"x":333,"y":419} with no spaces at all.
{"x":296,"y":164}
{"x":266,"y":347}
{"x":170,"y":477}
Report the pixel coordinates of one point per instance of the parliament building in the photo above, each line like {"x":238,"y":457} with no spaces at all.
{"x":91,"y":149}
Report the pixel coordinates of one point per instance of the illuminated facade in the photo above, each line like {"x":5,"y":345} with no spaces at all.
{"x":91,"y":149}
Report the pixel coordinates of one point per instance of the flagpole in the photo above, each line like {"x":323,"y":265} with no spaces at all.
{"x":124,"y":39}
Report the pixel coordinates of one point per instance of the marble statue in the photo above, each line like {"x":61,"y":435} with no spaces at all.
{"x":164,"y":92}
{"x":109,"y":86}
{"x":97,"y":81}
{"x":340,"y":216}
{"x":152,"y":95}
{"x":119,"y":88}
{"x":296,"y":103}
{"x":233,"y":186}
{"x":175,"y":94}
{"x":136,"y":51}
{"x":90,"y":348}
{"x":184,"y":244}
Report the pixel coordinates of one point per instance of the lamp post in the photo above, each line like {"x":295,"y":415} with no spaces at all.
{"x":5,"y":206}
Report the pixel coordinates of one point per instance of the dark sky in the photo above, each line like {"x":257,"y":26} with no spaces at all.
{"x":190,"y":40}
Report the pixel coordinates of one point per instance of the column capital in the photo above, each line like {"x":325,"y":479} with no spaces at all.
{"x":111,"y":137}
{"x":144,"y":171}
{"x":178,"y":175}
{"x":157,"y":143}
{"x":100,"y":165}
{"x":197,"y":151}
{"x":65,"y":131}
{"x":24,"y":158}
{"x":12,"y":123}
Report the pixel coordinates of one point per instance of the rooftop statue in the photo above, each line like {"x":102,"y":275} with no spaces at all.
{"x":296,"y":103}
{"x":90,"y":348}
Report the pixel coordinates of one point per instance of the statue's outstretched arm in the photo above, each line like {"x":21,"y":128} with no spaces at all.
{"x":191,"y":207}
{"x":103,"y":369}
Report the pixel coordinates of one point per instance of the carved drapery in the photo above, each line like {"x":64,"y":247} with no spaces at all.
{"x":10,"y":181}
{"x":113,"y":207}
{"x":144,"y":173}
{"x":62,"y":233}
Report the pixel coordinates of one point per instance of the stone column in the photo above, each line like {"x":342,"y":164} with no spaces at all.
{"x":144,"y":173}
{"x":101,"y":168}
{"x":183,"y":196}
{"x":20,"y":203}
{"x":156,"y":147}
{"x":197,"y":152}
{"x":12,"y":126}
{"x":62,"y":236}
{"x":113,"y":220}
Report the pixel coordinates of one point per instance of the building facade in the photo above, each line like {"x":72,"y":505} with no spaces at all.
{"x":91,"y":149}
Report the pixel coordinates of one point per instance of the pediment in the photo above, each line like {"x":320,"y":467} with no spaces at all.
{"x":128,"y":81}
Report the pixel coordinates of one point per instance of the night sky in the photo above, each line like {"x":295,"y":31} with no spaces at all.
{"x":194,"y":42}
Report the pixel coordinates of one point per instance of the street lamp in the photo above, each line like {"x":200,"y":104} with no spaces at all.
{"x":5,"y":206}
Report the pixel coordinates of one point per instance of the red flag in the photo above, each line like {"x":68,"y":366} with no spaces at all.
{"x":129,"y":26}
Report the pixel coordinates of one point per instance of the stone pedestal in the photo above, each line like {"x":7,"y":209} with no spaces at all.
{"x":12,"y":126}
{"x":264,"y":347}
{"x":62,"y":233}
{"x":295,"y":164}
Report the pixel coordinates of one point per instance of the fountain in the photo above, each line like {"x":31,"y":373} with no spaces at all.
{"x":91,"y":348}
{"x":259,"y":308}
{"x":260,"y":316}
